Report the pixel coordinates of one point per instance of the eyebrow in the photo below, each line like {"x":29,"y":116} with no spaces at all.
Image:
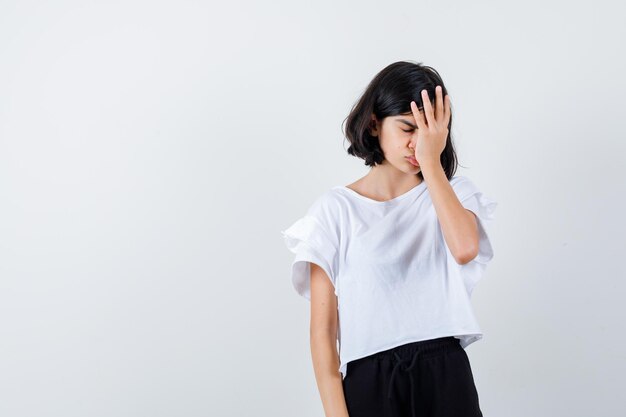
{"x":406,"y":122}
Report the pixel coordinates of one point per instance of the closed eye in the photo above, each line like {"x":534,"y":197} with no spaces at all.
{"x":410,"y":130}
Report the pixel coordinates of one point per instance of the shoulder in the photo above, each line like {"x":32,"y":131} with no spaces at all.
{"x":459,"y":179}
{"x":327,"y":198}
{"x":327,"y":209}
{"x":325,"y":204}
{"x":463,"y":186}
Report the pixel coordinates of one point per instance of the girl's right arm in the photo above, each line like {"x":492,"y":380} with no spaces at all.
{"x":323,"y":333}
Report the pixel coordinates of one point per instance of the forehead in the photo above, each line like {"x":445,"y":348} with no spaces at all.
{"x":403,"y":117}
{"x":407,"y":120}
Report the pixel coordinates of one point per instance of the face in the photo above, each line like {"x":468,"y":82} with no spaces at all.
{"x":396,"y":135}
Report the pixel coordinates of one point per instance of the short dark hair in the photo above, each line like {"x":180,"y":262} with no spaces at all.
{"x":390,"y":94}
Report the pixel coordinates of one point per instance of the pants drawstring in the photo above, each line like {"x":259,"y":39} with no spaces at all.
{"x":400,"y":361}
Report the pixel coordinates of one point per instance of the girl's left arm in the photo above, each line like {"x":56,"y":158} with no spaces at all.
{"x":458,"y":224}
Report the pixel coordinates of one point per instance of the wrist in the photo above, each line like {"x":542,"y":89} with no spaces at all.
{"x":430,"y":165}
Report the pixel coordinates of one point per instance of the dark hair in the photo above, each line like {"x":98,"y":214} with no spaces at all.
{"x":390,"y":94}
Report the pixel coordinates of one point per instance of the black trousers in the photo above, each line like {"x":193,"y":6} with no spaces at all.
{"x":429,"y":378}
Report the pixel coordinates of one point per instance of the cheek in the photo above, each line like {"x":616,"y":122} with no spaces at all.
{"x":393,"y":141}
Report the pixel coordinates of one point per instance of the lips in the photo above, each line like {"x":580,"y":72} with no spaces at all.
{"x":412,"y":160}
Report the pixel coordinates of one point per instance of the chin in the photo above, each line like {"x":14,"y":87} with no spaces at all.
{"x":413,"y":170}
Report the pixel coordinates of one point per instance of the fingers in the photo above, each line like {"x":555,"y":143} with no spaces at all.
{"x":438,"y":104}
{"x":441,"y":113}
{"x":446,"y":115}
{"x":428,"y":109}
{"x":429,"y":116}
{"x":419,"y":117}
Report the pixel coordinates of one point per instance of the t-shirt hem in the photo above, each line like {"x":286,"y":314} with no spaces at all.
{"x":466,"y":339}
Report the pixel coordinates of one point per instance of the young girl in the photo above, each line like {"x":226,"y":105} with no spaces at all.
{"x":389,"y":262}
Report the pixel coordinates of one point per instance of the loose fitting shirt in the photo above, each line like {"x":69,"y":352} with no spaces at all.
{"x":394,"y":276}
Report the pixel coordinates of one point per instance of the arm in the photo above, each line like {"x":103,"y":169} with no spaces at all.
{"x":459,"y":225}
{"x":323,"y":333}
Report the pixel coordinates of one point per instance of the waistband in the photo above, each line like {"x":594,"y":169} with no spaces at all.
{"x":425,"y":348}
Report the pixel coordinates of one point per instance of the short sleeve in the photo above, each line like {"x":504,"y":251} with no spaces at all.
{"x":483,"y":207}
{"x":312,"y":238}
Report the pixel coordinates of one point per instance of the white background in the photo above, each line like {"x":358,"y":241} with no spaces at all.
{"x":151,"y":152}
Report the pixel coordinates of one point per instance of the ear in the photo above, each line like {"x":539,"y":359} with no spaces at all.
{"x":373,"y":127}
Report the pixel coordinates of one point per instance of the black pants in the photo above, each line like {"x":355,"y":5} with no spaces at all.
{"x":429,"y":378}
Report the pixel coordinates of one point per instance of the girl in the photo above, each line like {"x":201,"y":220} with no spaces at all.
{"x":389,"y":262}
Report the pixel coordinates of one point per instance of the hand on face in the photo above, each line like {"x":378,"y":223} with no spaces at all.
{"x":430,"y":137}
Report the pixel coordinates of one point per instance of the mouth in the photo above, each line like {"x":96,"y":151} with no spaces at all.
{"x":412,"y":160}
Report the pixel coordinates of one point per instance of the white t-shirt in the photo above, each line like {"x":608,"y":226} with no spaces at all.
{"x":395,"y":278}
